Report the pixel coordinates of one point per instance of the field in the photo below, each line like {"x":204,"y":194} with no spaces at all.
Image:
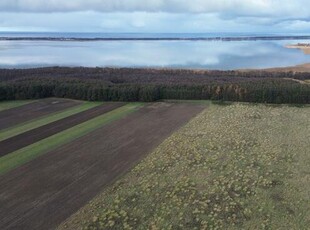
{"x":28,"y":153}
{"x":49,"y":118}
{"x":33,"y":110}
{"x":12,"y":104}
{"x":27,"y":138}
{"x":45,"y":182}
{"x":239,"y":166}
{"x":164,"y":165}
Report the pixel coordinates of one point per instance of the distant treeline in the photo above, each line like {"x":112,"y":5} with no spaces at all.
{"x":114,"y":84}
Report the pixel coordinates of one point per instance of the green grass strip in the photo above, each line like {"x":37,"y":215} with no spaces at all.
{"x":29,"y":125}
{"x":4,"y":105}
{"x":33,"y":151}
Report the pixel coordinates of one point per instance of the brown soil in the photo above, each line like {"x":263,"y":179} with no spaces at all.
{"x":34,"y":135}
{"x":297,"y":68}
{"x":34,"y":110}
{"x":305,"y":48}
{"x":303,"y":68}
{"x":44,"y":192}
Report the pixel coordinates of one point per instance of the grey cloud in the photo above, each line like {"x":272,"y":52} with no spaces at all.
{"x":144,"y":22}
{"x":275,"y":8}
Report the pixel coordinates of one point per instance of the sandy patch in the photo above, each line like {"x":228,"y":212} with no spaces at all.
{"x":304,"y":47}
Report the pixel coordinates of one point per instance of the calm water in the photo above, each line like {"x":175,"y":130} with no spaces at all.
{"x":183,"y":54}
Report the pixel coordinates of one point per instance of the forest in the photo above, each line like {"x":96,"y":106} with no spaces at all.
{"x":126,"y":84}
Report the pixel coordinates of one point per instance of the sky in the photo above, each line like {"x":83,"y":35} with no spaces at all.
{"x":156,"y":16}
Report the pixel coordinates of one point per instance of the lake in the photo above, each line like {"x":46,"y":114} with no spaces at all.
{"x":175,"y":54}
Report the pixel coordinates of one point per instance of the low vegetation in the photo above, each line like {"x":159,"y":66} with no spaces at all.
{"x":234,"y":166}
{"x":21,"y":156}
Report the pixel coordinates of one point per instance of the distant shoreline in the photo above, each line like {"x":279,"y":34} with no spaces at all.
{"x":305,"y":47}
{"x":302,"y":68}
{"x":240,"y":38}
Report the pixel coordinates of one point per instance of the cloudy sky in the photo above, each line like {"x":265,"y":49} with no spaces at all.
{"x":147,"y":16}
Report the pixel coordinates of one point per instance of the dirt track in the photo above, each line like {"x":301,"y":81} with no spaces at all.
{"x":34,"y":110}
{"x":44,"y":192}
{"x":32,"y":136}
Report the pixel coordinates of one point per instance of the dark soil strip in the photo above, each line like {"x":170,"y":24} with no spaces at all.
{"x":34,"y":110}
{"x":44,"y":192}
{"x":22,"y":140}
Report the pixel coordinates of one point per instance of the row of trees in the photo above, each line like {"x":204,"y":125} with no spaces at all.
{"x":264,"y":90}
{"x":146,"y":75}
